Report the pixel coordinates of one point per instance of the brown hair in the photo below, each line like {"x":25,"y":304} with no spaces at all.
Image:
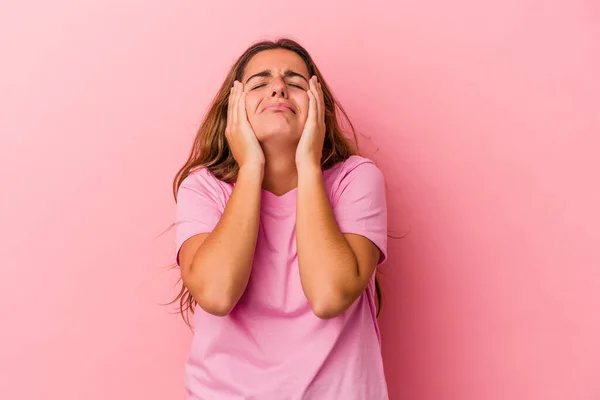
{"x":211,"y":150}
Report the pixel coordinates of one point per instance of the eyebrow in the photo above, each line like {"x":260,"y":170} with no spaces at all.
{"x":267,"y":73}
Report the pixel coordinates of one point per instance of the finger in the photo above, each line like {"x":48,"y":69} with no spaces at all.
{"x":315,"y":92}
{"x":234,"y":105}
{"x":320,"y":102}
{"x":230,"y":107}
{"x":242,"y":104}
{"x":312,"y":106}
{"x":311,"y":87}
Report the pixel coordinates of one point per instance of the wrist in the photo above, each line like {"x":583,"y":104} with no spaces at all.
{"x":308,"y":164}
{"x":309,"y":169}
{"x":251,"y":172}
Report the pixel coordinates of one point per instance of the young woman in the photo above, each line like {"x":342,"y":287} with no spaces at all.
{"x":279,"y":231}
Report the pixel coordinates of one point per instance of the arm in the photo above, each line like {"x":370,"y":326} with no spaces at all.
{"x":334,"y":268}
{"x":215,"y":267}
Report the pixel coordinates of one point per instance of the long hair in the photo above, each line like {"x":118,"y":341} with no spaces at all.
{"x":211,"y":150}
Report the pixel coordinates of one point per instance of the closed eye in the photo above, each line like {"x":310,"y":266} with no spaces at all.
{"x":264,"y":84}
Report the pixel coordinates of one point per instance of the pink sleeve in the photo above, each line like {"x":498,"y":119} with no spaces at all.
{"x":198,"y":209}
{"x":361,"y":206}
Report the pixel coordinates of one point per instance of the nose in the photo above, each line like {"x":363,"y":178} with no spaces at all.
{"x":278,"y":88}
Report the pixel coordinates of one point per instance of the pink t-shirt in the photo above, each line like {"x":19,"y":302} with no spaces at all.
{"x":271,"y":346}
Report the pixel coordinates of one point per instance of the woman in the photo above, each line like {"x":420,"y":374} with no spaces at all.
{"x":279,"y":231}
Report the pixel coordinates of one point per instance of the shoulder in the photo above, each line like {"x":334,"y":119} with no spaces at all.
{"x":354,"y":168}
{"x":201,"y":177}
{"x":355,"y":177}
{"x":201,"y":181}
{"x":361,"y":164}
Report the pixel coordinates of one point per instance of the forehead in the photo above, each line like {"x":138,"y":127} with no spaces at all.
{"x":277,"y":61}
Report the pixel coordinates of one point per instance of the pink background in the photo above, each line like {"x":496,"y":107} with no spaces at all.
{"x":483,"y":115}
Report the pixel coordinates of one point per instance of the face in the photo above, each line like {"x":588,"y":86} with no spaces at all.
{"x":275,"y":82}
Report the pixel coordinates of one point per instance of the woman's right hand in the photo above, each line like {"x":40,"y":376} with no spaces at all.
{"x":241,"y":137}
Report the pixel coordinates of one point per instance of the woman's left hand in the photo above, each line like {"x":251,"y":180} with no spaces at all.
{"x":310,"y":147}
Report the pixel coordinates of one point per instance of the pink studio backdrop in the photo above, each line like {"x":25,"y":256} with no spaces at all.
{"x":484,"y":116}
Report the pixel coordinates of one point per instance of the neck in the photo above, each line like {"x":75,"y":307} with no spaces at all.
{"x":280,"y":175}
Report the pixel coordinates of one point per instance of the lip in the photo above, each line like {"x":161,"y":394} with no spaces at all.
{"x":279,"y":106}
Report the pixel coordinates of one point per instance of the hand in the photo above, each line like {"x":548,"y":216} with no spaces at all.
{"x":239,"y":134}
{"x":310,"y":147}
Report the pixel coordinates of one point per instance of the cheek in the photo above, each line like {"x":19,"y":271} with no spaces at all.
{"x":302,"y":103}
{"x":251,"y":104}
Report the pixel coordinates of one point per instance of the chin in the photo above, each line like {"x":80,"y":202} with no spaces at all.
{"x":277,"y":133}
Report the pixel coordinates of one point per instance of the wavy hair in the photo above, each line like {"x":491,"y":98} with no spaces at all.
{"x":211,"y":150}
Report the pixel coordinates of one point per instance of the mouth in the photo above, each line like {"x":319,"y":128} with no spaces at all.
{"x":279,"y":107}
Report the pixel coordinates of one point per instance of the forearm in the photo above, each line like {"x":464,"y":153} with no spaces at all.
{"x":328,"y":267}
{"x":221,"y":267}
